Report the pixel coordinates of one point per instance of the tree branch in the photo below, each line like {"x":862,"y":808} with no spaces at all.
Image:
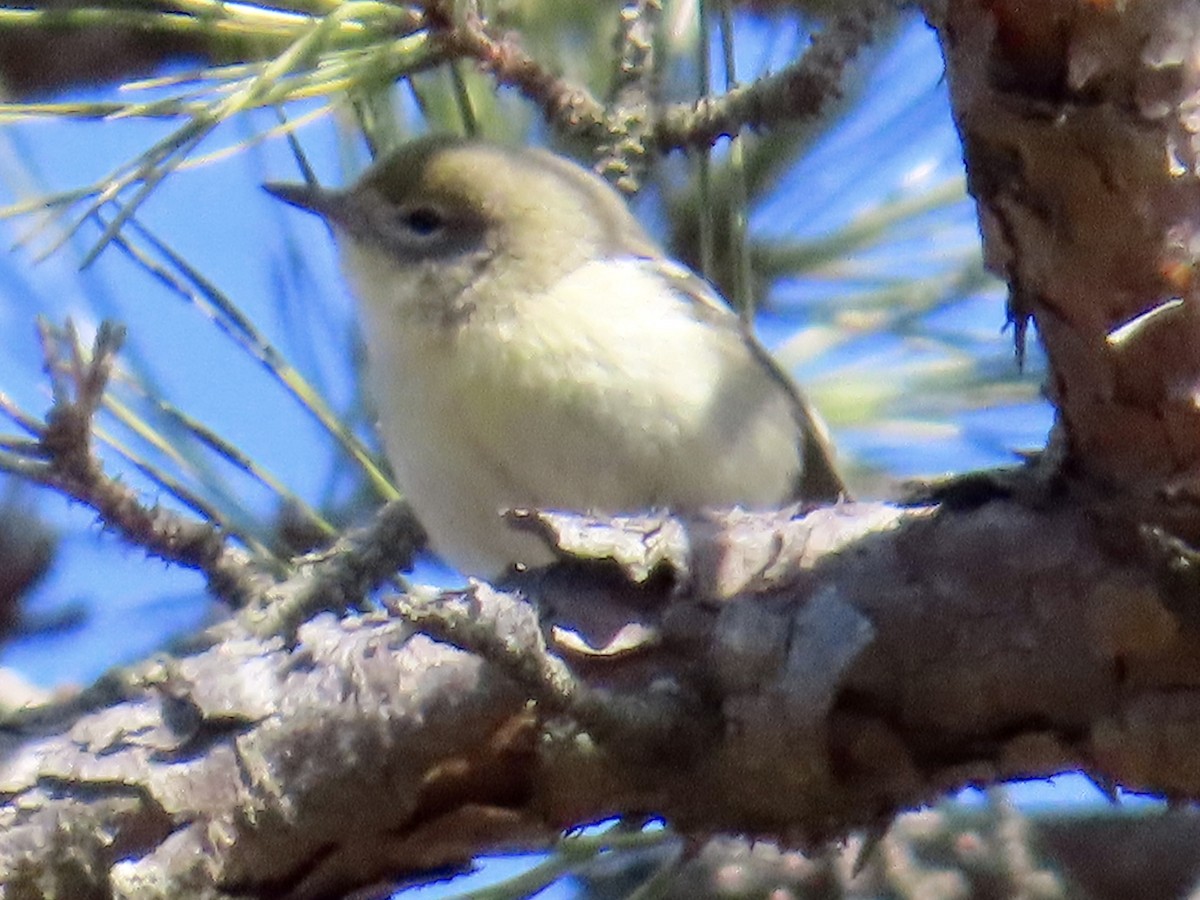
{"x":1079,"y":143}
{"x":990,"y":643}
{"x":61,"y":456}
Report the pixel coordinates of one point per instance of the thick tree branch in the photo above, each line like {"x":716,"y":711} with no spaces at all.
{"x":860,"y":661}
{"x":1079,"y":139}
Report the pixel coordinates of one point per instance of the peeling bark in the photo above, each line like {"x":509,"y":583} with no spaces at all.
{"x":877,"y":659}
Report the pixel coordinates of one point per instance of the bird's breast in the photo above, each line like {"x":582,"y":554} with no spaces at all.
{"x":604,"y":393}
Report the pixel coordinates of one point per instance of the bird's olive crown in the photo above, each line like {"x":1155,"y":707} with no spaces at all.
{"x":441,"y":197}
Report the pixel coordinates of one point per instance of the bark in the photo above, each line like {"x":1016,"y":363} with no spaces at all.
{"x":805,"y":677}
{"x":783,"y":677}
{"x":1079,"y":133}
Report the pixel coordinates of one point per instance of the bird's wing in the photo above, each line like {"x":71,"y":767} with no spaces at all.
{"x":819,"y":480}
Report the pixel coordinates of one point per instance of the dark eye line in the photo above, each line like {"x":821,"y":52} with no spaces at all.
{"x":423,"y":221}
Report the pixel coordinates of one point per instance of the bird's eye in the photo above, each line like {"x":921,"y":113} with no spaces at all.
{"x":422,"y":221}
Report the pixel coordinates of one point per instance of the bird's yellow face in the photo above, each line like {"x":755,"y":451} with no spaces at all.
{"x":442,"y":218}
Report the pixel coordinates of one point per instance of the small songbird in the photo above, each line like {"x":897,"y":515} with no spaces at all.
{"x":529,"y":346}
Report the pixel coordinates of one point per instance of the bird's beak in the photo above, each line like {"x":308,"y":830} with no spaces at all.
{"x":329,"y":205}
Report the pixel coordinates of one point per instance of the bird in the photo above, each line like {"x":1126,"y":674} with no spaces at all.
{"x":530,"y":346}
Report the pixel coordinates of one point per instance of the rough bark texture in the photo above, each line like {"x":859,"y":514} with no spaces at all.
{"x":808,"y":676}
{"x":787,"y":678}
{"x":1079,"y":128}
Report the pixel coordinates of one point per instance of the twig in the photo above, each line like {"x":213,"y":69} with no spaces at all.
{"x":62,"y":457}
{"x":798,"y":91}
{"x":622,"y":158}
{"x":340,"y":578}
{"x":568,"y":106}
{"x":657,"y":723}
